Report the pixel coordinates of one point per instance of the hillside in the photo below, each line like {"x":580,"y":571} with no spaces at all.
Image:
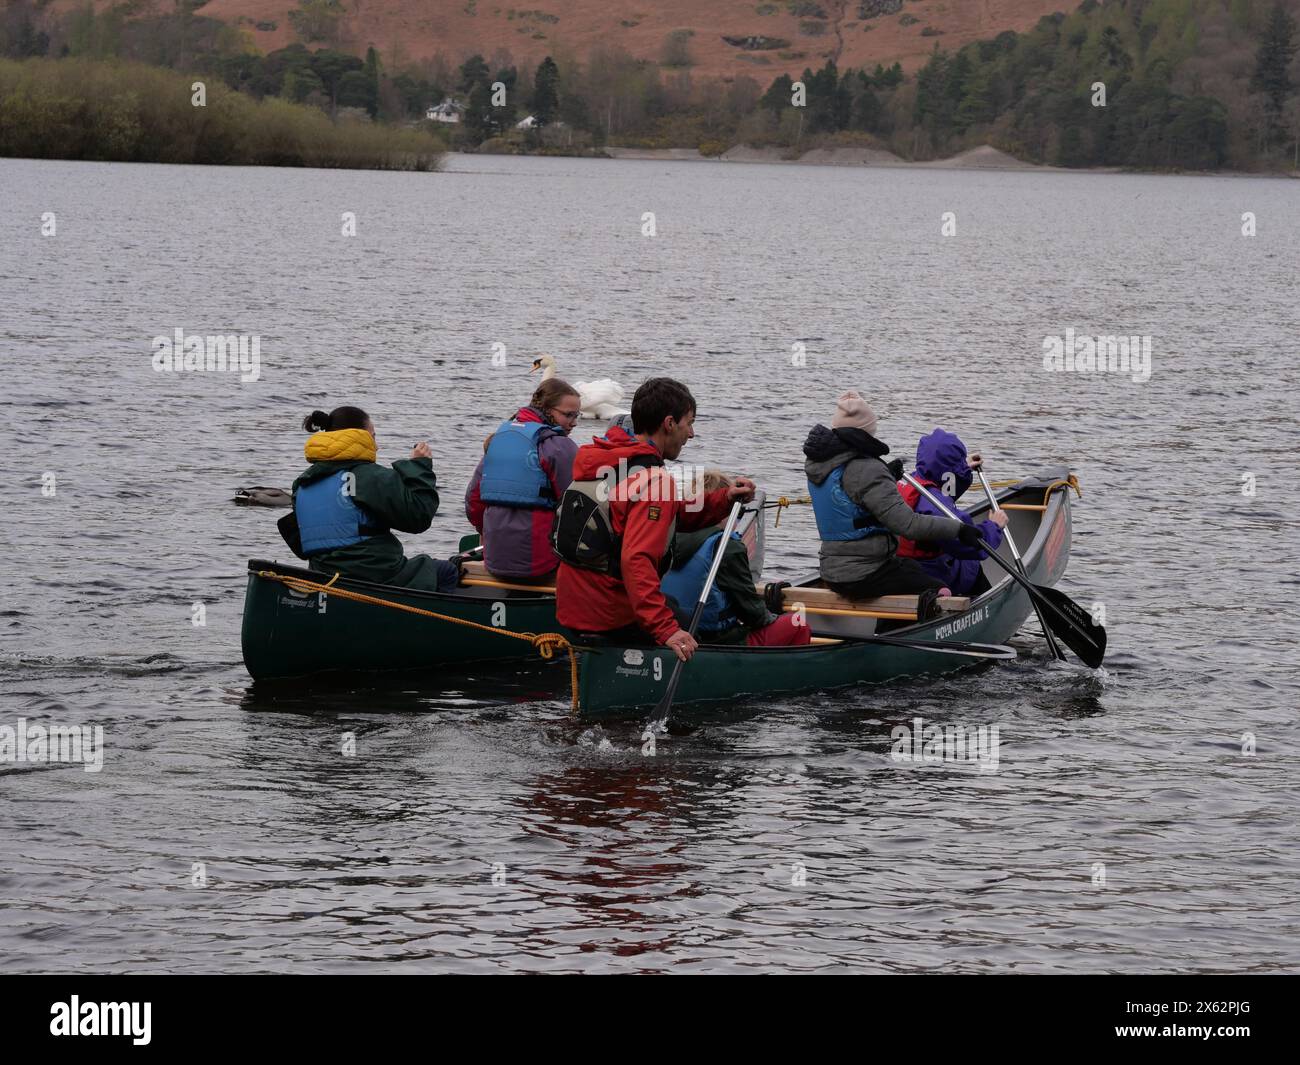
{"x":1151,"y":84}
{"x":766,"y":38}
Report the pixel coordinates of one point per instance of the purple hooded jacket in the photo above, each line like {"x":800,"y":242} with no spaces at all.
{"x":942,"y":455}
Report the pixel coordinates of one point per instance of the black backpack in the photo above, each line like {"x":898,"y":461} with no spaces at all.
{"x":582,"y":532}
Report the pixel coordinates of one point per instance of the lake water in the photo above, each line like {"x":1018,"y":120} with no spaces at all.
{"x":478,"y":828}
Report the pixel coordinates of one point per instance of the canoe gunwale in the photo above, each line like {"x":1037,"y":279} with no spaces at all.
{"x":255,"y":565}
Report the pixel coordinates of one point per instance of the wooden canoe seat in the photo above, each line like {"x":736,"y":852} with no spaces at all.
{"x":477,"y":576}
{"x":892,"y":607}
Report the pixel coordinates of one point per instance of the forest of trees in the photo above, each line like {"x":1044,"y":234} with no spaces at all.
{"x":1187,"y":84}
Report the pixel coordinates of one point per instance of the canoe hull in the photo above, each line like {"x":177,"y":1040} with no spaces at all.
{"x":292,"y":634}
{"x":626,"y":681}
{"x":288,"y":634}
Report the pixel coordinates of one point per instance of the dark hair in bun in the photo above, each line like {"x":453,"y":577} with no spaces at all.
{"x":339,"y":418}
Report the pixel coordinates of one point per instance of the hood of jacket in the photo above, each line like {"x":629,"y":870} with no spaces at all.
{"x":826,"y":449}
{"x":940,"y":454}
{"x":340,"y":445}
{"x":607,"y":450}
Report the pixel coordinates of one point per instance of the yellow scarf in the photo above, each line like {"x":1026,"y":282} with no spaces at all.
{"x":341,"y":445}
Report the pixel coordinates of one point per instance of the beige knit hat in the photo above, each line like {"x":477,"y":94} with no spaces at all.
{"x":852,"y":412}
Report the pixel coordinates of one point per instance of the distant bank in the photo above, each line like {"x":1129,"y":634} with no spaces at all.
{"x":985,"y":157}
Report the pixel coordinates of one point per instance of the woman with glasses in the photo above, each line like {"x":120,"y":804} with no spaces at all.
{"x":527,"y":465}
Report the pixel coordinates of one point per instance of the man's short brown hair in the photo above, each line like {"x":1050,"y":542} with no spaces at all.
{"x":657,"y":399}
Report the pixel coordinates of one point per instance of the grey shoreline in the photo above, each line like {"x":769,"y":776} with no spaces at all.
{"x":984,"y":157}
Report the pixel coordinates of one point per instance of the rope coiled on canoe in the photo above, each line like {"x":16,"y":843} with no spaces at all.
{"x":1068,"y":482}
{"x":544,"y":643}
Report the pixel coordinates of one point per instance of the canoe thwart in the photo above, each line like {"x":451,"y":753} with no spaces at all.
{"x":817,"y":600}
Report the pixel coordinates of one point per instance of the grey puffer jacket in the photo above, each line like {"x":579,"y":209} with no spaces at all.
{"x":869,"y":483}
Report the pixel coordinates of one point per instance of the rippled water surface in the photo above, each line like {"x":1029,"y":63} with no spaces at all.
{"x":477,"y":827}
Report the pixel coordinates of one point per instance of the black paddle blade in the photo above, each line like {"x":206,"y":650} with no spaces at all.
{"x":1073,"y":626}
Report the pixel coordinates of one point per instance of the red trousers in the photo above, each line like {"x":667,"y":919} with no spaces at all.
{"x":783,"y":632}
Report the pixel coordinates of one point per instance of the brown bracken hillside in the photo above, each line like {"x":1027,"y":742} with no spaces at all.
{"x":729,"y":37}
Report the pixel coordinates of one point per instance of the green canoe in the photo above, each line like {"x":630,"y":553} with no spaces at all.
{"x":625,"y":681}
{"x":290,"y":632}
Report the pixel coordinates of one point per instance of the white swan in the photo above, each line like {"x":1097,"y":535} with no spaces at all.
{"x":597,"y":399}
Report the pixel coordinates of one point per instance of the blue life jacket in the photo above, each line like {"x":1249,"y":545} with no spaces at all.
{"x":685,"y":585}
{"x":329,"y":518}
{"x":838,"y":517}
{"x":512,"y":469}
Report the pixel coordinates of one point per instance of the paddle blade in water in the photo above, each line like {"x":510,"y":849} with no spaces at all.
{"x":1074,"y":626}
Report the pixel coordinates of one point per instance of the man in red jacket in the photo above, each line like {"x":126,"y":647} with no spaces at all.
{"x":644,"y":511}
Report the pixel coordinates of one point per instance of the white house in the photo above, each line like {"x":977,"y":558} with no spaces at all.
{"x":448,"y":111}
{"x":527,"y":123}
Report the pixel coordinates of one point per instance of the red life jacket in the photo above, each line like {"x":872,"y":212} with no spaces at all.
{"x":910,"y":548}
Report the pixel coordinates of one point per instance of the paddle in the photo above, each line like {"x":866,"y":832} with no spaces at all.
{"x":967,"y":650}
{"x":1067,"y":619}
{"x":659,"y":718}
{"x":1057,"y":653}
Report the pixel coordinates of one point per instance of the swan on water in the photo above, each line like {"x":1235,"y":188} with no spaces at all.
{"x":598,"y":399}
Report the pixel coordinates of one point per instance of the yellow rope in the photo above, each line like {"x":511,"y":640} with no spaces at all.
{"x":545,"y":643}
{"x":1070,"y":482}
{"x":786,"y":501}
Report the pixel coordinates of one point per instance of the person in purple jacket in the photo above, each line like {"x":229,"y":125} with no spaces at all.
{"x":943,"y":466}
{"x":526,"y":466}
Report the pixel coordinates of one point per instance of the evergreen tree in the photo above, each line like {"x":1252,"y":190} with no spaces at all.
{"x":777,"y":97}
{"x":546,"y":92}
{"x":1112,"y":49}
{"x":473,"y":71}
{"x":505,"y":116}
{"x":889,"y":79}
{"x":1272,"y":62}
{"x":371,"y":73}
{"x":354,"y":91}
{"x":330,"y":67}
{"x":482,"y":120}
{"x":976,"y":106}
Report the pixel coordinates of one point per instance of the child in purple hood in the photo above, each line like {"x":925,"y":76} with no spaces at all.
{"x":943,"y":466}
